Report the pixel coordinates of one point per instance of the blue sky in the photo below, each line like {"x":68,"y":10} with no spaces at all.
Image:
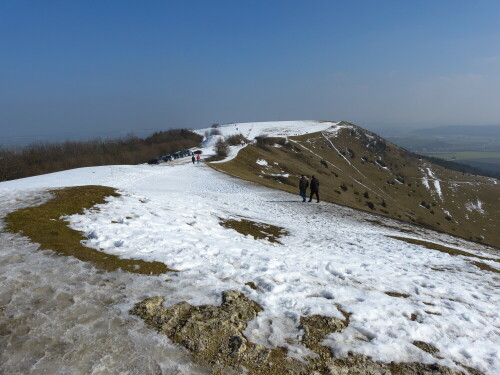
{"x":79,"y":69}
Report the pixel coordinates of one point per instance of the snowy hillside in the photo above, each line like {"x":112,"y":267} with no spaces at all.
{"x":250,"y":130}
{"x":332,"y":258}
{"x":359,"y":169}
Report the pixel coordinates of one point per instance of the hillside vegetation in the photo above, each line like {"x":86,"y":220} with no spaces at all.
{"x":44,"y":158}
{"x":359,"y":169}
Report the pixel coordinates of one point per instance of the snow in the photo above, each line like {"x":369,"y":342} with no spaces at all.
{"x":437,"y":186}
{"x":380,"y":165}
{"x":425,"y":182}
{"x":250,"y":130}
{"x":430,"y":176}
{"x":478,"y":206}
{"x":262,"y":162}
{"x":332,"y":258}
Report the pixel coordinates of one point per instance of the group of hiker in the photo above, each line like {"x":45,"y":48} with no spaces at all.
{"x":313,"y":186}
{"x":197,"y":158}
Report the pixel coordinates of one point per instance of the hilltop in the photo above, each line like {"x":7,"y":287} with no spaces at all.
{"x":359,"y":169}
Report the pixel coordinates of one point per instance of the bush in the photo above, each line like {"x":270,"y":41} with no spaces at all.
{"x":215,"y":131}
{"x":221,"y":148}
{"x":264,"y":142}
{"x":236,"y":139}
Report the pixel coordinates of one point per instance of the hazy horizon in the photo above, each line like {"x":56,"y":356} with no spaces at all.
{"x":81,"y":70}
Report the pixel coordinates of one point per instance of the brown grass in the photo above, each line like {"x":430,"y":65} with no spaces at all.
{"x":255,"y":229}
{"x":43,"y":224}
{"x":355,"y":163}
{"x":451,"y":251}
{"x":397,"y":294}
{"x":442,"y":248}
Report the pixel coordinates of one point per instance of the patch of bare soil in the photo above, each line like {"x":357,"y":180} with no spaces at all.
{"x":214,"y":336}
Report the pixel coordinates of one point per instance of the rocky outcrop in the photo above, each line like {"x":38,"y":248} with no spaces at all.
{"x":214,"y":335}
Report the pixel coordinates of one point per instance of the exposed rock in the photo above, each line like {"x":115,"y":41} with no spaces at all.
{"x":214,"y":335}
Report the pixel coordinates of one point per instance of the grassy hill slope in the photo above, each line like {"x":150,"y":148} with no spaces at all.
{"x":359,"y":169}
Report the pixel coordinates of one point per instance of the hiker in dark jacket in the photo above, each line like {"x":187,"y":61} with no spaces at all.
{"x":193,"y":159}
{"x":303,"y":184}
{"x":314,"y":188}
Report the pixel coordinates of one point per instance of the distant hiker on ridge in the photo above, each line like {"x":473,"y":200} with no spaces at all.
{"x":193,"y":158}
{"x":303,"y":184}
{"x":314,"y":188}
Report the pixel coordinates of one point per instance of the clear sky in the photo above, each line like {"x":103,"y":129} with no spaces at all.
{"x":76,"y":69}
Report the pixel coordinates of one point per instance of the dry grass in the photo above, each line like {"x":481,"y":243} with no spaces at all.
{"x":442,"y":248}
{"x":451,"y":251}
{"x":397,"y":294}
{"x":255,"y":229}
{"x":356,"y":164}
{"x":485,"y":267}
{"x":42,"y":224}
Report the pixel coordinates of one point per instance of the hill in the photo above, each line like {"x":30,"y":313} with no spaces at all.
{"x":359,"y":169}
{"x":178,"y":268}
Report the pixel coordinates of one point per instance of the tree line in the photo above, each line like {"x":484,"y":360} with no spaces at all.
{"x":42,"y":158}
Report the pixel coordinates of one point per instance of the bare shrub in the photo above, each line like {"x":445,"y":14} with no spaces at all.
{"x":215,"y":131}
{"x":236,"y":139}
{"x":221,"y":148}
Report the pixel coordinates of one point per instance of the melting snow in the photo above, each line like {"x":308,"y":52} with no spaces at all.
{"x":171,"y":214}
{"x":250,"y":130}
{"x":478,"y":206}
{"x":429,"y":176}
{"x":437,"y":186}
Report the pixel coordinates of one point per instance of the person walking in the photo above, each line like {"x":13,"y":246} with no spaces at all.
{"x":193,"y":158}
{"x":314,"y":188}
{"x":303,"y":184}
{"x":198,"y":158}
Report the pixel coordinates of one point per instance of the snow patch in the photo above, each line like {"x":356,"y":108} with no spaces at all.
{"x":250,"y":130}
{"x":478,"y":206}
